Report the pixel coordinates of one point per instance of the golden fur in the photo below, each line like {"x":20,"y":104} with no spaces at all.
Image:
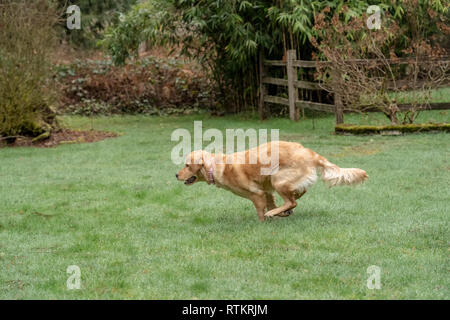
{"x":297,"y":171}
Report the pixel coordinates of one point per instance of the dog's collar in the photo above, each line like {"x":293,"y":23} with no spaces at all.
{"x":211,"y":175}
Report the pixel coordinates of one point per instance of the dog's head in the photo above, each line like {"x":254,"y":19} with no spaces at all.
{"x":195,"y":168}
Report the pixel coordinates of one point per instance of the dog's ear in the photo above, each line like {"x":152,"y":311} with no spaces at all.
{"x":204,"y":157}
{"x":206,"y":164}
{"x":207,"y":159}
{"x":195,"y":157}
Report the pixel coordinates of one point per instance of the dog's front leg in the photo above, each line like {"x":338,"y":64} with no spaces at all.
{"x":259,"y":200}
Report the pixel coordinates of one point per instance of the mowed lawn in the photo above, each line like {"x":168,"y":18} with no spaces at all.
{"x":116,"y":210}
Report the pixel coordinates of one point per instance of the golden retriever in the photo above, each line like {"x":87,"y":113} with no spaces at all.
{"x":295,"y":172}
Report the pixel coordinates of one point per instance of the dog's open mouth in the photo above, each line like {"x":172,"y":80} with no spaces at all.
{"x":191,"y":180}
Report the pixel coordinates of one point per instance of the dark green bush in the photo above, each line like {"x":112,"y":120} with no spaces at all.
{"x":96,"y":16}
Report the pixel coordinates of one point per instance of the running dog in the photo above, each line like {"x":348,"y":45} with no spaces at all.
{"x":294,"y":173}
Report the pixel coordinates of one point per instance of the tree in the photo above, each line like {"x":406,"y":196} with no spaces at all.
{"x":395,"y":54}
{"x":227,"y":36}
{"x":27,"y":36}
{"x":97,"y":16}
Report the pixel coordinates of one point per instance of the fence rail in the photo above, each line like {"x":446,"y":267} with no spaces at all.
{"x":293,"y":84}
{"x":300,"y":84}
{"x":301,"y":103}
{"x":315,"y":64}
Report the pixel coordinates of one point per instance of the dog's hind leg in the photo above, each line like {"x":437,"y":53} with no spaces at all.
{"x":289,"y":202}
{"x":288,"y":213}
{"x":272,"y":205}
{"x":299,"y":194}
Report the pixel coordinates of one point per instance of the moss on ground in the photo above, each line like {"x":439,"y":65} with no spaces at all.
{"x":405,"y":128}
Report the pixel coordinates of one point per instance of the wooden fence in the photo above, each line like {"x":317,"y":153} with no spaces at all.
{"x":293,"y":84}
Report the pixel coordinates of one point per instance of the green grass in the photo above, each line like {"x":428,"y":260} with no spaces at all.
{"x":440,"y":95}
{"x":119,"y":214}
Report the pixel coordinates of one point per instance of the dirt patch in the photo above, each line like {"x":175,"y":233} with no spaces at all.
{"x":359,"y":150}
{"x":62,"y":136}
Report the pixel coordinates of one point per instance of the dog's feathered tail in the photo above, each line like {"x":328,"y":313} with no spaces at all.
{"x":335,"y":176}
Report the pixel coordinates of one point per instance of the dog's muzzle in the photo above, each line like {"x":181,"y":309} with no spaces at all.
{"x":191,"y":180}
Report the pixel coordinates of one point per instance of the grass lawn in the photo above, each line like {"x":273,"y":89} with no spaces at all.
{"x":119,"y":214}
{"x":440,"y":95}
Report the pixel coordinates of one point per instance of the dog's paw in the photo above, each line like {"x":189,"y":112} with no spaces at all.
{"x":286,"y":213}
{"x":269,"y":214}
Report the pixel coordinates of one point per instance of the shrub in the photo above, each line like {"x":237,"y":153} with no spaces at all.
{"x":26,"y":38}
{"x":392,"y":69}
{"x":150,"y":86}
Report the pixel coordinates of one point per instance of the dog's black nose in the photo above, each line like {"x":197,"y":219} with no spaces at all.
{"x":176,"y":175}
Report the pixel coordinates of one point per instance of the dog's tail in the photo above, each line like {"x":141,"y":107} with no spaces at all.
{"x":335,"y":176}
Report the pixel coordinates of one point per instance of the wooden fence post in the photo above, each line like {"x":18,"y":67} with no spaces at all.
{"x":338,"y":107}
{"x":262,"y":87}
{"x":302,"y":94}
{"x":292,"y":77}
